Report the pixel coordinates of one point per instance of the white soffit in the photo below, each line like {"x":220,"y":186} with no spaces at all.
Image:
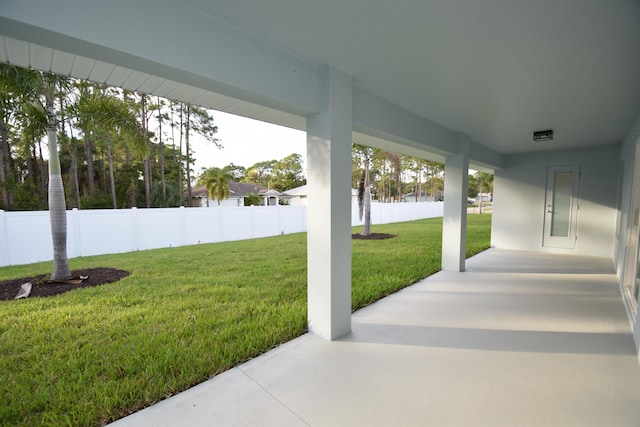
{"x":29,"y":55}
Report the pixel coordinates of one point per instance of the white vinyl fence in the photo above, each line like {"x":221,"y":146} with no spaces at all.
{"x":25,"y":237}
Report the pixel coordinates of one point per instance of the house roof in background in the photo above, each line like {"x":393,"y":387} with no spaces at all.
{"x":238,"y":189}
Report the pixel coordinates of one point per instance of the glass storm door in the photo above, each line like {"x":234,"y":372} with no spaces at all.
{"x":561,"y":207}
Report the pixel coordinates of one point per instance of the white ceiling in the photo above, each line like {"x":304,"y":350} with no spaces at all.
{"x":496,"y":70}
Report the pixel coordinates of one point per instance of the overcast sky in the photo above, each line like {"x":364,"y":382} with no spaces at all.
{"x":246,"y":142}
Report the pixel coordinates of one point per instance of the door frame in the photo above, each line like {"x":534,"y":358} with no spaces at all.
{"x":568,"y":242}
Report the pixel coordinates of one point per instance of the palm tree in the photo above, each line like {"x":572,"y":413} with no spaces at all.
{"x":38,"y":91}
{"x":364,"y":188}
{"x":218,"y":186}
{"x":57,"y":203}
{"x":114,"y":119}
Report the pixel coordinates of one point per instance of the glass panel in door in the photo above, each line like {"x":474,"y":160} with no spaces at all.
{"x":561,"y":204}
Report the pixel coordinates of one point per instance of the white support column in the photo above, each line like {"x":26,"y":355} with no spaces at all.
{"x":454,"y":223}
{"x":329,"y":209}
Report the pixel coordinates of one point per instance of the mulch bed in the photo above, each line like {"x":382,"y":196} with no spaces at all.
{"x":373,"y":236}
{"x":42,"y":288}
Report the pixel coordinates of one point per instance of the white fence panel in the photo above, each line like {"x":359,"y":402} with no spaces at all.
{"x":159,"y":228}
{"x":236,"y":216}
{"x":387,"y":213}
{"x":203,"y":226}
{"x":95,"y":232}
{"x":25,"y":237}
{"x":293,"y":219}
{"x":28,"y":237}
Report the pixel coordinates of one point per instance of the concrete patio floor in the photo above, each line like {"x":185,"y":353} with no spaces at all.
{"x":519,"y":339}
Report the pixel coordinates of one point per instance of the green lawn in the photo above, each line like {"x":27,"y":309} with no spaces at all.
{"x":183,"y":315}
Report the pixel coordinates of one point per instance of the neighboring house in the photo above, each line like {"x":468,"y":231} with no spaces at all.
{"x":200,"y":198}
{"x":298,"y":196}
{"x":274,"y":198}
{"x":238,"y":191}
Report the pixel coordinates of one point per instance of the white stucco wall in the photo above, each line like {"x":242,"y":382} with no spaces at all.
{"x":519,"y":197}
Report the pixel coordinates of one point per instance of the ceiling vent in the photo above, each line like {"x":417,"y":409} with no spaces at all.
{"x":543,"y":135}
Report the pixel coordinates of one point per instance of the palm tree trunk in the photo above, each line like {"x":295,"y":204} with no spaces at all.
{"x":127,"y":150}
{"x":57,"y":204}
{"x":180,"y":153}
{"x":104,"y":173}
{"x":4,"y":166}
{"x":188,"y":160}
{"x":367,"y":201}
{"x":112,"y":179}
{"x":74,"y":170}
{"x":161,"y":146}
{"x":147,"y":160}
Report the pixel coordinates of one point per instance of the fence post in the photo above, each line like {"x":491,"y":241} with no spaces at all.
{"x":4,"y":241}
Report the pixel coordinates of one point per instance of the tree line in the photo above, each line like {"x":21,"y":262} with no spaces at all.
{"x":117,"y":148}
{"x":280,"y":175}
{"x":389,"y":177}
{"x":394,"y":177}
{"x":120,"y":149}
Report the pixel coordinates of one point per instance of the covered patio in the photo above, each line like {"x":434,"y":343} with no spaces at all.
{"x":521,"y":338}
{"x":537,"y":331}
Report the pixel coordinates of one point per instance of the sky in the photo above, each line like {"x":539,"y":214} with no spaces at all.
{"x":246,"y":142}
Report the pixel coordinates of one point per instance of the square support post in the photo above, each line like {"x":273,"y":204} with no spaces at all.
{"x":454,"y":222}
{"x":329,"y":209}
